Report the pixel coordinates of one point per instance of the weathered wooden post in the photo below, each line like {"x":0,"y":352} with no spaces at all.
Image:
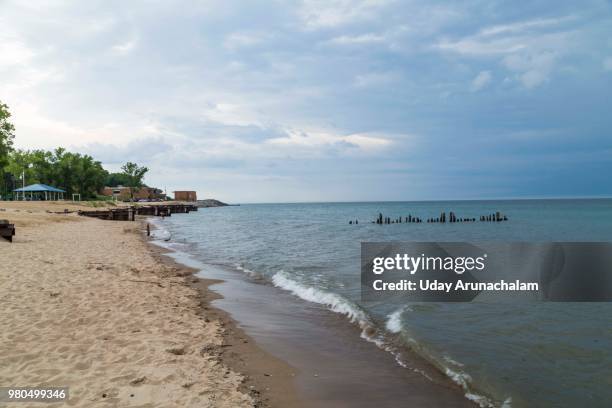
{"x":148,"y":230}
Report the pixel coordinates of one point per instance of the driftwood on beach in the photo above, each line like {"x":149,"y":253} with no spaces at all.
{"x":130,"y":213}
{"x":452,"y":218}
{"x":7,"y":231}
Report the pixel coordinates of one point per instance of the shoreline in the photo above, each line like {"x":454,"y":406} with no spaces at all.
{"x":267,"y":379}
{"x":124,"y":322}
{"x":420,"y":381}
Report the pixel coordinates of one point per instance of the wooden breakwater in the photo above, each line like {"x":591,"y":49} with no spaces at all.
{"x":130,"y":213}
{"x":388,"y":220}
{"x":442,"y":219}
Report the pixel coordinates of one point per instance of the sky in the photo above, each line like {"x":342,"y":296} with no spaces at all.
{"x":332,"y":100}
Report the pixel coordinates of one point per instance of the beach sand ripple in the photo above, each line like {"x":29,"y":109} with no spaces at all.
{"x":86,"y":305}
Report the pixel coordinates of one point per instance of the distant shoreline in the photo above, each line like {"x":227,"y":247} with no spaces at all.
{"x":211,"y":203}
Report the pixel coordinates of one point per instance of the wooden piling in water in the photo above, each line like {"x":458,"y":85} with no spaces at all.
{"x":497,"y":216}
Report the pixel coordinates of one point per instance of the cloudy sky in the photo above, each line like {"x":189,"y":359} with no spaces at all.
{"x":331,"y":100}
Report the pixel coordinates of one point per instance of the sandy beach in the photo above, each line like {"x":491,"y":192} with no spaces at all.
{"x":90,"y":305}
{"x":96,"y":306}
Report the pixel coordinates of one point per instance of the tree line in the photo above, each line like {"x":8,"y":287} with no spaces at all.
{"x":74,"y":172}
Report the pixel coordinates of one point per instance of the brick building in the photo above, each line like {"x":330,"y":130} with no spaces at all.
{"x":123,"y":193}
{"x":185,"y":196}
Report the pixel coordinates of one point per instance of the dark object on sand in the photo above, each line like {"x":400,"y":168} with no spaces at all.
{"x":148,"y":230}
{"x":7,"y":230}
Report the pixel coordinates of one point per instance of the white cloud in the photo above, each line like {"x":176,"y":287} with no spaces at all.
{"x":523,"y":26}
{"x":475,"y":46}
{"x":358,"y":39}
{"x":481,"y":80}
{"x":238,"y":40}
{"x":233,"y":114}
{"x":332,"y":13}
{"x":368,"y":143}
{"x":40,"y":131}
{"x":14,"y":53}
{"x":530,"y":49}
{"x":375,"y":79}
{"x":532,"y":69}
{"x":124,"y":48}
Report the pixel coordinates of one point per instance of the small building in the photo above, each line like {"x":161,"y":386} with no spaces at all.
{"x":122,"y":193}
{"x":37,"y":192}
{"x":185,"y":196}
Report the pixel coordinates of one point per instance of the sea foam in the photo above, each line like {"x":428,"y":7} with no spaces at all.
{"x":334,"y":302}
{"x":394,"y":321}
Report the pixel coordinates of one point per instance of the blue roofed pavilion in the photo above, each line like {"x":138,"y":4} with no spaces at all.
{"x":40,"y":192}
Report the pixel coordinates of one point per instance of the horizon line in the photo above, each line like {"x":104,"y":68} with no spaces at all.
{"x":424,"y":200}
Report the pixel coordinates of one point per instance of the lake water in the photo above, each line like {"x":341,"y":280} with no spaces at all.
{"x":519,"y":355}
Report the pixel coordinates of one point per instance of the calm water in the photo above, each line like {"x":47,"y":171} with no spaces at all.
{"x":523,"y":355}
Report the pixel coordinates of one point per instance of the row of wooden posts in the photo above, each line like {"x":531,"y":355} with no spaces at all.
{"x":452,"y":218}
{"x":387,"y":220}
{"x":130,"y":213}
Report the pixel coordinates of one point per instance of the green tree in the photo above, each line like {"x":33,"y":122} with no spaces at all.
{"x":88,"y":175}
{"x":134,"y":176}
{"x":7,"y":135}
{"x":20,"y":165}
{"x":117,"y":179}
{"x":73,"y":172}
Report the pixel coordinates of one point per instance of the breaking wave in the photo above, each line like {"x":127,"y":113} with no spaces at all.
{"x":334,"y":302}
{"x":394,"y":321}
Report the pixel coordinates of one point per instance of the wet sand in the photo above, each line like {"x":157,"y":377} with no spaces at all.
{"x":334,"y":366}
{"x":270,"y":380}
